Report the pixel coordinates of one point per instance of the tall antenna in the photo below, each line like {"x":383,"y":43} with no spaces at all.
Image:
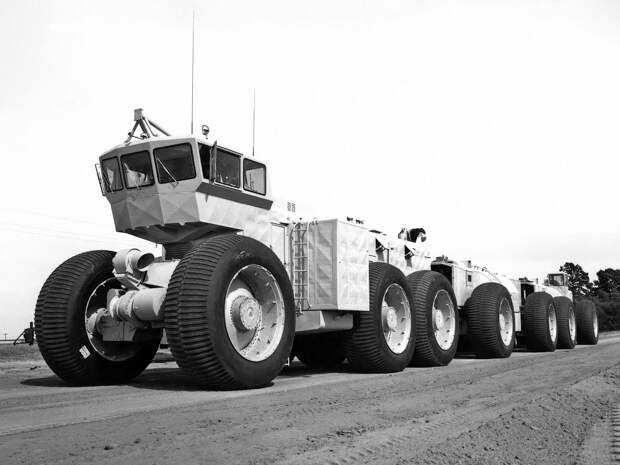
{"x":253,"y":121}
{"x":191,"y":127}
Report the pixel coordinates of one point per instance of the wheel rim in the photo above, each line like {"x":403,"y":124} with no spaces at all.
{"x":572,"y":324}
{"x":254,"y":313}
{"x":553,"y":324}
{"x":444,"y":319}
{"x":506,"y":325}
{"x":116,"y":351}
{"x":595,"y":323}
{"x":396,"y":318}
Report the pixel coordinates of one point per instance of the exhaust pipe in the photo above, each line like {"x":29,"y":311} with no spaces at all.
{"x":132,"y":261}
{"x":137,"y":306}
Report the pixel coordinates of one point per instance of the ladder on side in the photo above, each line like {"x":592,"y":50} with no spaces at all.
{"x":299,"y":266}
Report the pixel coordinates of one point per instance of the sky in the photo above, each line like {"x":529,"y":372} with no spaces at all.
{"x":492,"y":124}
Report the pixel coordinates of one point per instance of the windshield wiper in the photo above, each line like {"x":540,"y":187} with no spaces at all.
{"x":175,"y":183}
{"x":104,"y":176}
{"x":133,"y":173}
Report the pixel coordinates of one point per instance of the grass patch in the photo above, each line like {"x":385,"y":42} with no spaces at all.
{"x":13,"y":353}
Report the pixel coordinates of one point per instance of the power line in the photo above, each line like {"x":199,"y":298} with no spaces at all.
{"x":61,"y":234}
{"x":47,"y":215}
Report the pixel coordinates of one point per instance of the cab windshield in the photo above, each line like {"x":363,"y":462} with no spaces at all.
{"x":556,"y":280}
{"x":137,"y":170}
{"x":174,"y":163}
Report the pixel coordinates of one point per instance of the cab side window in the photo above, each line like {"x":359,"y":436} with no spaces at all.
{"x":254,"y":175}
{"x":205,"y":160}
{"x":111,"y":174}
{"x":227,"y":168}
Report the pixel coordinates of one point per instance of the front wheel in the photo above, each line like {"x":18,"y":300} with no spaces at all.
{"x":436,"y":316}
{"x":75,"y":289}
{"x":230,"y":313}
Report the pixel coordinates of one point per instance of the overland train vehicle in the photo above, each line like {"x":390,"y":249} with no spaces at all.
{"x":241,"y":287}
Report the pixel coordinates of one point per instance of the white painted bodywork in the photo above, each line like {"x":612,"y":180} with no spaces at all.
{"x":337,"y":268}
{"x":466,"y":277}
{"x":334,"y":279}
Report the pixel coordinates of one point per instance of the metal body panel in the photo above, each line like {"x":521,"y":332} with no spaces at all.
{"x":278,"y":242}
{"x":559,"y":291}
{"x":159,"y":273}
{"x":323,"y":321}
{"x":337,"y":266}
{"x":404,"y":255}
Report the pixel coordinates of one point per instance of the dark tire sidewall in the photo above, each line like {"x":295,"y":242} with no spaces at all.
{"x":505,"y":350}
{"x":585,"y":311}
{"x":395,"y":361}
{"x":562,"y":310}
{"x":536,"y":324}
{"x":443,"y":356}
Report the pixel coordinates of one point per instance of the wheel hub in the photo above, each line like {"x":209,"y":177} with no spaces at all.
{"x":439,"y":321}
{"x":444,"y":320}
{"x":552,"y":322}
{"x":506,"y":326}
{"x":595,"y":324}
{"x":391,"y":320}
{"x":254,"y":313}
{"x":245,"y":313}
{"x":396,"y":318}
{"x":113,"y":350}
{"x":572,"y":324}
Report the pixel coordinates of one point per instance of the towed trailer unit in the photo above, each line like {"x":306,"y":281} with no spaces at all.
{"x":498,"y":312}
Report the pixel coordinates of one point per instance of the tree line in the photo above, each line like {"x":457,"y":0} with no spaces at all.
{"x":603,"y":291}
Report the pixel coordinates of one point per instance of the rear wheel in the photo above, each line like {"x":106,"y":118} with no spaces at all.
{"x":437,"y":324}
{"x":490,"y":320}
{"x":230,"y":313}
{"x":383,"y":339}
{"x":567,"y":325}
{"x":587,"y":322}
{"x":320,"y":350}
{"x":76,"y":289}
{"x":541,"y":327}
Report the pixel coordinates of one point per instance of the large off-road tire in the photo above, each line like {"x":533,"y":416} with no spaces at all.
{"x":567,"y":323}
{"x":541,"y":330}
{"x":587,"y":322}
{"x":60,"y":326}
{"x":490,"y":321}
{"x":230,"y":313}
{"x":383,"y":339}
{"x":322,"y":351}
{"x":437,"y":320}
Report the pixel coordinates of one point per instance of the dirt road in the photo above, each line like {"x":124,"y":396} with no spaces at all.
{"x":557,"y":408}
